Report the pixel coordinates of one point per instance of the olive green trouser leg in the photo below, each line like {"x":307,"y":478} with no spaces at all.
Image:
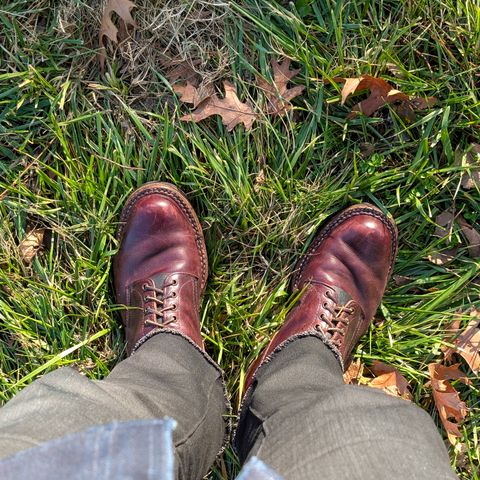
{"x":302,"y":420}
{"x":167,"y":376}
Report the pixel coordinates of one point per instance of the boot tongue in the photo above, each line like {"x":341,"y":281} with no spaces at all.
{"x":342,"y":296}
{"x":159,"y":279}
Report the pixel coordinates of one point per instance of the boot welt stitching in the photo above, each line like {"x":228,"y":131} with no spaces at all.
{"x":183,"y":206}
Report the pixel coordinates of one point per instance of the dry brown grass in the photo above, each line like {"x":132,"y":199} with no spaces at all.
{"x":170,"y":34}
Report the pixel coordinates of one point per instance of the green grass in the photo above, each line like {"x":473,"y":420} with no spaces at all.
{"x":73,"y":146}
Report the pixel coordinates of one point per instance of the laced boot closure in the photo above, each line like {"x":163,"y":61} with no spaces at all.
{"x":164,"y":302}
{"x":156,"y":296}
{"x":339,"y":319}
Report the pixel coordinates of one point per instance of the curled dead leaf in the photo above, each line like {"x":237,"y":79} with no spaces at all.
{"x":466,"y":343}
{"x":230,"y":108}
{"x":390,"y":380}
{"x":451,"y":409}
{"x":381,"y":94}
{"x":108,"y":29}
{"x":31,"y":244}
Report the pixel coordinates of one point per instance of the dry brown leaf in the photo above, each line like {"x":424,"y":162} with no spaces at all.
{"x":351,"y":85}
{"x":444,"y":223}
{"x":451,"y":409}
{"x":390,"y":380}
{"x":230,"y":108}
{"x":31,"y":244}
{"x":472,"y":236}
{"x":420,"y":103}
{"x":467,"y":343}
{"x":444,"y":257}
{"x":108,"y":29}
{"x":381,"y":94}
{"x":191,"y":94}
{"x":443,"y":229}
{"x":354,"y":372}
{"x":469,"y":159}
{"x":278,"y":94}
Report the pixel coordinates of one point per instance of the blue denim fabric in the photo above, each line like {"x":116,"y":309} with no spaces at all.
{"x":134,"y":450}
{"x":139,"y":449}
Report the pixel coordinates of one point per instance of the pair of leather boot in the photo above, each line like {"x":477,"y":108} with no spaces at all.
{"x":161,"y":271}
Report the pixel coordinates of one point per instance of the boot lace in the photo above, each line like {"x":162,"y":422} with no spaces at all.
{"x":158,"y":298}
{"x":337,"y":321}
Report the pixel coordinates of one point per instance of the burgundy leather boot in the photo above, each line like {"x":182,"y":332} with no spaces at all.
{"x":342,"y":278}
{"x":161,"y":268}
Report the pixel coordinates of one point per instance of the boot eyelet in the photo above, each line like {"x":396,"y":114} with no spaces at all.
{"x":144,"y":287}
{"x":325,"y":305}
{"x":174,"y":306}
{"x":174,"y":294}
{"x":145,"y":299}
{"x":174,"y":282}
{"x":174,"y":318}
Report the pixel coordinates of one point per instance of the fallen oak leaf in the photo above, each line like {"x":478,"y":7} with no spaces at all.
{"x":381,"y":93}
{"x":188,"y":93}
{"x":192,"y":94}
{"x":278,"y":95}
{"x":467,"y":343}
{"x":107,"y":28}
{"x":390,"y":380}
{"x":444,"y":223}
{"x":31,"y":244}
{"x":230,"y":108}
{"x":377,"y":99}
{"x":446,"y":398}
